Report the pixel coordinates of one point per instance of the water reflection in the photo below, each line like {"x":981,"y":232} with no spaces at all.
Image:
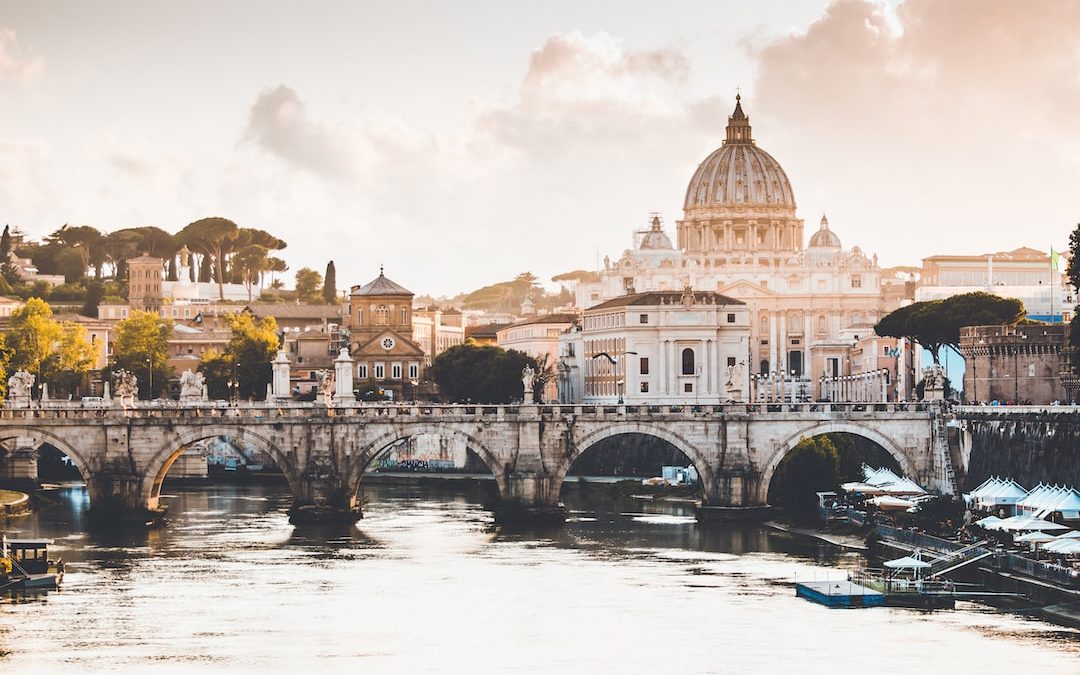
{"x":428,"y":583}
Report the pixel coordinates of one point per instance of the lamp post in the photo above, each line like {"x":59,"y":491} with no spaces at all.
{"x":613,"y":360}
{"x":150,"y":378}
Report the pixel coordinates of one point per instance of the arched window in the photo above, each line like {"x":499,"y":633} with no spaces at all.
{"x":360,"y":317}
{"x":688,"y":361}
{"x":763,"y":326}
{"x":764,"y":370}
{"x":822,"y":325}
{"x":382,"y":316}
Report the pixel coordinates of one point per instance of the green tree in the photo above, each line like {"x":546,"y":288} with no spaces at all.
{"x":480,"y":374}
{"x":1073,"y":270}
{"x":217,"y":368}
{"x":249,"y":263}
{"x":211,"y":237}
{"x":935,"y":324}
{"x":142,"y":347}
{"x":95,"y":293}
{"x":812,"y":466}
{"x":309,"y":285}
{"x":253,"y":345}
{"x":5,"y":244}
{"x":72,"y":358}
{"x":329,"y":291}
{"x":70,"y":263}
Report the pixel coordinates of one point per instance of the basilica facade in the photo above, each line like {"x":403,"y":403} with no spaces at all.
{"x":741,"y":237}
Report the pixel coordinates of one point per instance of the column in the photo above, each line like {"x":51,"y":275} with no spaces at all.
{"x":806,"y":343}
{"x":280,"y":368}
{"x":782,"y":344}
{"x":343,"y":377}
{"x":774,"y":364}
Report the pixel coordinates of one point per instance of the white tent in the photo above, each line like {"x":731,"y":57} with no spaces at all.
{"x":1035,"y":537}
{"x":1071,"y":534}
{"x":1063,"y":546}
{"x":892,"y":503}
{"x":907,"y":563}
{"x":988,"y":522}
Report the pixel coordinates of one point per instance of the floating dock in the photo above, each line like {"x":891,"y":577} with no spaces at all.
{"x":839,"y":593}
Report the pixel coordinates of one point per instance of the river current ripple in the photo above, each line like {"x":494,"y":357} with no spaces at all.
{"x":427,"y":583}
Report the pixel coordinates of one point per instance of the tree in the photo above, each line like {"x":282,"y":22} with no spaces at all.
{"x":480,"y":374}
{"x":212,"y":237}
{"x":936,"y":323}
{"x":95,"y":293}
{"x":308,"y":285}
{"x":253,"y":345}
{"x":217,"y":368}
{"x":812,"y":466}
{"x":5,"y":244}
{"x":70,"y":264}
{"x":31,"y":336}
{"x":249,"y":262}
{"x":1073,"y":271}
{"x":329,"y":291}
{"x":142,"y":347}
{"x":72,"y":357}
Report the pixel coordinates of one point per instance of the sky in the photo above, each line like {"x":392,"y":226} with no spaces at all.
{"x":460,"y":144}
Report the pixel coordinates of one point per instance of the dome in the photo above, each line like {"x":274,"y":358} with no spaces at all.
{"x":739,"y":173}
{"x":824,"y":237}
{"x":655,"y":239}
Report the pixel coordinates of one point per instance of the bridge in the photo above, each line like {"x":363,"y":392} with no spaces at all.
{"x":124,"y":453}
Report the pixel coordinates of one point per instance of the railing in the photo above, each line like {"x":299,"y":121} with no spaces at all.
{"x":289,"y":409}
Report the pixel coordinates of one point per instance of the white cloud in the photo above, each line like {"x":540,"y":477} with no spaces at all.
{"x":15,"y":63}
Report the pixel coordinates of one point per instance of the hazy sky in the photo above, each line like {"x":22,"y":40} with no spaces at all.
{"x":462,"y":143}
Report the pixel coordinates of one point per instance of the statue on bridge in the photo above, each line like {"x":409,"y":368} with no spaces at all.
{"x":734,"y":382}
{"x":125,"y":386}
{"x":528,"y":377}
{"x":192,"y":386}
{"x":20,"y":387}
{"x":325,"y":388}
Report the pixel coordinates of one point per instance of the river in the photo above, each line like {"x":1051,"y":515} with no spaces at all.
{"x":426,"y":583}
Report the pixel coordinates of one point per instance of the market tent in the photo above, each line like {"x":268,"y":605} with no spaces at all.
{"x":907,"y":563}
{"x":988,"y":522}
{"x":1071,"y":534}
{"x":1035,"y":537}
{"x":1060,"y":545}
{"x":861,"y":488}
{"x":892,"y":503}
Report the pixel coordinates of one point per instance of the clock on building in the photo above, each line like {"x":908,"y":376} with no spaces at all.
{"x":387,"y":343}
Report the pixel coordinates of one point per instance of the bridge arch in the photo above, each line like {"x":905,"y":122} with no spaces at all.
{"x":586,"y":442}
{"x":831,"y":427}
{"x":41,"y":437}
{"x":158,"y":466}
{"x":372,"y":450}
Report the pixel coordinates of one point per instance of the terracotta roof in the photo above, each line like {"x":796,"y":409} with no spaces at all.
{"x":488,"y":330}
{"x":545,"y":318}
{"x":293,"y":311}
{"x":669,"y":298}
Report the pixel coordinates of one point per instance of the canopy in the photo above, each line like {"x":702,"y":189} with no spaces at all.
{"x":1071,"y":534}
{"x":1063,"y":546}
{"x":907,"y":563}
{"x":862,"y":488}
{"x":988,"y":522}
{"x":892,"y":503}
{"x":1020,"y":523}
{"x":1035,"y":537}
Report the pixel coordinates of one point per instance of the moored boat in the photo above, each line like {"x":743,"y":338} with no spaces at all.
{"x":25,"y":564}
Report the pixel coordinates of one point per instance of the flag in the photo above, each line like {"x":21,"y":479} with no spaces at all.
{"x":1055,"y":259}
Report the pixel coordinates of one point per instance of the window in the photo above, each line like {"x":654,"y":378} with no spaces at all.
{"x":688,"y":387}
{"x":404,"y":317}
{"x":856,"y":281}
{"x":731,"y":318}
{"x":382,"y":316}
{"x":359,"y":316}
{"x":764,"y":370}
{"x":380,"y":371}
{"x":361,"y":371}
{"x":644,"y":318}
{"x":395,"y":371}
{"x":688,"y":361}
{"x":414,"y":371}
{"x":644,"y":387}
{"x":644,"y":365}
{"x":731,"y":361}
{"x":794,"y":341}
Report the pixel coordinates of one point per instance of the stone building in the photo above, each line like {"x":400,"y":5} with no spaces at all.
{"x":381,"y":344}
{"x":741,"y":237}
{"x":539,"y":337}
{"x":1014,"y":364}
{"x":660,"y":346}
{"x":437,"y":330}
{"x":145,"y":275}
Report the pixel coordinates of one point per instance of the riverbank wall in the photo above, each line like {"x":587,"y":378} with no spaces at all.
{"x":1031,"y":448}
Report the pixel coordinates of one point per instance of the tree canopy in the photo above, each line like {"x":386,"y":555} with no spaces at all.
{"x":56,"y":352}
{"x":253,"y":345}
{"x":934,"y":324}
{"x":309,"y":284}
{"x":142,"y":344}
{"x":480,"y":374}
{"x":329,"y":291}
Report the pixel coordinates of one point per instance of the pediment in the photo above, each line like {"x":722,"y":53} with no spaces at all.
{"x":743,"y":289}
{"x":373,"y":345}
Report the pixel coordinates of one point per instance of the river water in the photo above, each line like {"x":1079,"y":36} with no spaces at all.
{"x":427,"y":583}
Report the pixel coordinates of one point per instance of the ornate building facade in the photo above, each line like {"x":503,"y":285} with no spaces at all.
{"x":381,"y":337}
{"x":741,"y":237}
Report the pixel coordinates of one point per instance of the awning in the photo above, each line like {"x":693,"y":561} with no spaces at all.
{"x":907,"y":563}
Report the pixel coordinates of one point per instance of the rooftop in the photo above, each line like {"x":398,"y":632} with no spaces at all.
{"x":666,"y":298}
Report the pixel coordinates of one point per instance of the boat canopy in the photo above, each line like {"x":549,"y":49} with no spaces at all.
{"x":907,"y":563}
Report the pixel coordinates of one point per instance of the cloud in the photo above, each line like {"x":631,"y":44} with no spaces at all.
{"x":15,"y":64}
{"x":278,"y":123}
{"x":26,"y":184}
{"x":935,"y":121}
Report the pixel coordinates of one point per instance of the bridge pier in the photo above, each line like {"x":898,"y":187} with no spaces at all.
{"x":529,"y":498}
{"x":323,"y":499}
{"x":117,"y":500}
{"x":733,"y":496}
{"x":18,"y":469}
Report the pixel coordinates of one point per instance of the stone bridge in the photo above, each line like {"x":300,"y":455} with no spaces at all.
{"x":125,"y":453}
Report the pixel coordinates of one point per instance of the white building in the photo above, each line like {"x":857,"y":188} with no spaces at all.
{"x":437,"y":330}
{"x":539,"y":337}
{"x":658,"y":347}
{"x":740,"y":236}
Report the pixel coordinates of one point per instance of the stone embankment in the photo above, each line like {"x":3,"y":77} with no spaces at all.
{"x":13,"y":504}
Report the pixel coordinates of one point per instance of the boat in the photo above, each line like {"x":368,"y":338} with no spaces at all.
{"x":25,"y":564}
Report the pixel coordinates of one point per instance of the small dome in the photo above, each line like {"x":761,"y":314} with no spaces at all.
{"x":655,"y":239}
{"x":824,"y":237}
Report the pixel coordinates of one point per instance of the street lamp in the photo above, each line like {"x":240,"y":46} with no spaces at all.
{"x":150,"y":378}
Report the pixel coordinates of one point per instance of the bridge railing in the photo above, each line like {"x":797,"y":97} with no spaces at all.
{"x":263,"y":409}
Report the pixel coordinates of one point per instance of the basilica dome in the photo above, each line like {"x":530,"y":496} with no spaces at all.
{"x":824,"y":237}
{"x":655,"y":239}
{"x":739,"y":173}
